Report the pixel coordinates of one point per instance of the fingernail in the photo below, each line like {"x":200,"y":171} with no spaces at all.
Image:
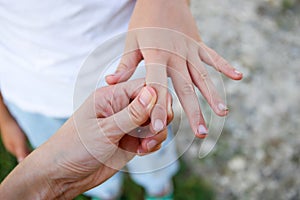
{"x":158,"y":125}
{"x":202,"y":136}
{"x":20,"y":159}
{"x":114,"y":74}
{"x":151,"y":144}
{"x":202,"y":131}
{"x":145,"y":97}
{"x":237,"y":72}
{"x":222,"y":107}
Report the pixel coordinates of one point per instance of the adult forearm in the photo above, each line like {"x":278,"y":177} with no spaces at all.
{"x":39,"y":176}
{"x":46,"y":173}
{"x":27,"y":182}
{"x":88,"y":149}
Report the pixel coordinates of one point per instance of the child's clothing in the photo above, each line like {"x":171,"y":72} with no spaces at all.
{"x":43,"y":45}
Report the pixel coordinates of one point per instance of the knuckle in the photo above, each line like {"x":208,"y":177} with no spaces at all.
{"x":204,"y":75}
{"x":178,"y":60}
{"x":182,"y":50}
{"x":160,"y":109}
{"x":107,"y":90}
{"x":104,"y":126}
{"x":187,"y":89}
{"x":196,"y":115}
{"x":122,"y":67}
{"x":157,"y":55}
{"x":136,"y":115}
{"x":219,"y":61}
{"x":216,"y":58}
{"x":162,"y":91}
{"x":224,"y":64}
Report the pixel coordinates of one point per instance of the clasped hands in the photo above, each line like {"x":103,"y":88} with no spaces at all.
{"x":113,"y":125}
{"x":108,"y":130}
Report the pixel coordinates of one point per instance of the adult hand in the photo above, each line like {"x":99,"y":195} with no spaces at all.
{"x":90,"y":147}
{"x":164,"y":34}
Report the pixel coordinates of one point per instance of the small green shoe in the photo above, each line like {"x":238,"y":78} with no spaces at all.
{"x":166,"y":197}
{"x":95,"y":198}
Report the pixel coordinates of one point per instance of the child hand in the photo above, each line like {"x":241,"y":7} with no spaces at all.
{"x":164,"y":34}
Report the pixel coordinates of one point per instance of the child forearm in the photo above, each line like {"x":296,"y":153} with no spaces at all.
{"x":5,"y":115}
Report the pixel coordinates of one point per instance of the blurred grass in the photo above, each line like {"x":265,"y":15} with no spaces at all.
{"x":289,"y":4}
{"x":188,"y":186}
{"x":7,"y":162}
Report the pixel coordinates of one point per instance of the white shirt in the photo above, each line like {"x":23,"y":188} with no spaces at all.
{"x":43,"y":44}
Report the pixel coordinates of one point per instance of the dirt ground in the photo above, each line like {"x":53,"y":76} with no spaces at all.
{"x":258,"y":153}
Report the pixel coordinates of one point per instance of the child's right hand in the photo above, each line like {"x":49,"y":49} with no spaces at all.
{"x":14,"y":139}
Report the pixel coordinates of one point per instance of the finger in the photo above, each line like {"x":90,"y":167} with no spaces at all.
{"x":21,"y":152}
{"x":129,"y":143}
{"x":212,"y":58}
{"x":111,"y":99}
{"x":202,"y":80}
{"x":185,"y":90}
{"x":131,"y":117}
{"x":131,"y":88}
{"x":157,"y":78}
{"x":152,"y":143}
{"x":170,"y":114}
{"x":126,"y":67}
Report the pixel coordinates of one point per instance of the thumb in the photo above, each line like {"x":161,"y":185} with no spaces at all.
{"x":126,"y":67}
{"x":131,"y":117}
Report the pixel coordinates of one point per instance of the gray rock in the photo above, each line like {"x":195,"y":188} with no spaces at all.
{"x":258,"y":153}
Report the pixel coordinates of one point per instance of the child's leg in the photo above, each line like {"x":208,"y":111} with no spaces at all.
{"x":155,"y":171}
{"x":110,"y":189}
{"x":37,"y":127}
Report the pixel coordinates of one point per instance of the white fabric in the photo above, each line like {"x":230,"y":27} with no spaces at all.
{"x":43,"y":44}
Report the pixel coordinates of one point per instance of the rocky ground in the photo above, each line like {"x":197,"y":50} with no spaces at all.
{"x":258,"y":153}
